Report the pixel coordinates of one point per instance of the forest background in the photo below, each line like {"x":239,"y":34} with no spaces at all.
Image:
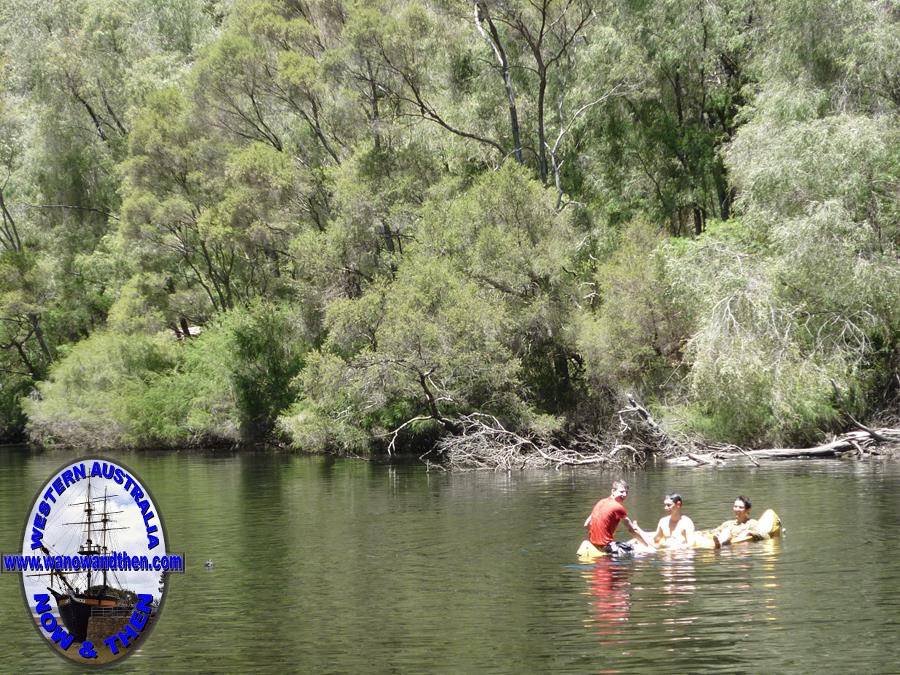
{"x":319,"y":222}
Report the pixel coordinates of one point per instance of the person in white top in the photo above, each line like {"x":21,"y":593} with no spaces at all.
{"x":675,"y":530}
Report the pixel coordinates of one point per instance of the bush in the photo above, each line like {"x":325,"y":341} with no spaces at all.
{"x":228,"y":385}
{"x":87,"y":399}
{"x":754,"y":377}
{"x":428,"y":345}
{"x":12,"y":417}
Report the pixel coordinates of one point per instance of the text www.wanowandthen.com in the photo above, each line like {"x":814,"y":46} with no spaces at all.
{"x":117,"y":561}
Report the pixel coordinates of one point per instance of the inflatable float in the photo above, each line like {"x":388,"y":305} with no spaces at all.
{"x":768,"y":526}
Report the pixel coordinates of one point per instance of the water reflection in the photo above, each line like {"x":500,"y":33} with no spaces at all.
{"x":609,"y":584}
{"x":677,"y":570}
{"x":666,"y":585}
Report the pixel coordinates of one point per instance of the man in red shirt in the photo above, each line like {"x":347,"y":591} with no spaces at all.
{"x":605,"y":518}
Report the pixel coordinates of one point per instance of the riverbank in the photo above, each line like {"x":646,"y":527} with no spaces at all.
{"x":486,"y":445}
{"x":631,"y":437}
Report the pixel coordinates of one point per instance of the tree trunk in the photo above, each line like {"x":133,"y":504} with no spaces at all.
{"x":35,"y":322}
{"x":699,"y":219}
{"x":724,"y":193}
{"x":185,"y":329}
{"x":388,"y":237}
{"x":482,"y":14}
{"x":542,"y":135}
{"x":35,"y":375}
{"x":376,"y":121}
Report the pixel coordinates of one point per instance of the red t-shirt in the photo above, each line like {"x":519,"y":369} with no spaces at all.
{"x":605,"y":518}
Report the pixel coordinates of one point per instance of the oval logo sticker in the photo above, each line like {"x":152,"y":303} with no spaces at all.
{"x":94,"y":561}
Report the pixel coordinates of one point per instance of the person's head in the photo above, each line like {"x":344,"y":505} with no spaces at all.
{"x":741,"y":509}
{"x":619,"y":490}
{"x":672,"y":503}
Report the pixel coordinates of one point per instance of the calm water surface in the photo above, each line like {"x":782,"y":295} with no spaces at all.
{"x":346,"y":566}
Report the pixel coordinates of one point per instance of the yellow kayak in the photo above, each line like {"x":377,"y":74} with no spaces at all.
{"x":768,"y":526}
{"x":587,"y":552}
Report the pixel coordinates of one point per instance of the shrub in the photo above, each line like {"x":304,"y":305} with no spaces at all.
{"x":86,"y":400}
{"x":229,"y":384}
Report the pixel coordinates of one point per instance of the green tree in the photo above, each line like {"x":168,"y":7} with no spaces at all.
{"x":687,"y":69}
{"x":635,"y":339}
{"x":426,"y":347}
{"x":505,"y":235}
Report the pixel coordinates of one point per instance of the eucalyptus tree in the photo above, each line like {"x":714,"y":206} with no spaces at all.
{"x":521,"y":247}
{"x":547,"y":33}
{"x":476,"y":318}
{"x":413,"y":353}
{"x":847,"y":49}
{"x":24,"y":350}
{"x":73,"y":71}
{"x":213,"y":219}
{"x":796,"y":303}
{"x":687,"y":66}
{"x":421,"y":53}
{"x":27,"y":346}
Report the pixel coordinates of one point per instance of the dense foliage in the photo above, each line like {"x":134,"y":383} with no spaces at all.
{"x":349,"y":224}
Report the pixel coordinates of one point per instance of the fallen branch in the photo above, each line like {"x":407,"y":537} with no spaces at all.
{"x":859,"y":425}
{"x":748,"y":456}
{"x":484,"y":443}
{"x":481,"y":441}
{"x":853,"y":440}
{"x":396,"y":432}
{"x":874,"y":434}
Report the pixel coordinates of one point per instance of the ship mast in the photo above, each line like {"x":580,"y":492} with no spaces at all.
{"x":105,"y":521}
{"x":87,"y":548}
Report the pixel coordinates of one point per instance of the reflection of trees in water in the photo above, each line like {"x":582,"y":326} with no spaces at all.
{"x":609,"y":584}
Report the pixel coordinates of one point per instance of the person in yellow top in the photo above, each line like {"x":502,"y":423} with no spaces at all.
{"x":742,"y":528}
{"x":675,"y":530}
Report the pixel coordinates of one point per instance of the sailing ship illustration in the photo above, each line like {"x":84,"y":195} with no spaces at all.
{"x":81,"y":595}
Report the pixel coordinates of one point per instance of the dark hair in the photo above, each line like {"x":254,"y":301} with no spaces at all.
{"x":746,"y":501}
{"x":619,"y":483}
{"x":675,"y":497}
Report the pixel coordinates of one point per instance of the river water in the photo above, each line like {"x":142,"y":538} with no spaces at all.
{"x":348,"y":566}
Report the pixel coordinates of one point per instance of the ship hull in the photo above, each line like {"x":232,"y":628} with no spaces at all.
{"x":75,"y":611}
{"x":75,"y":615}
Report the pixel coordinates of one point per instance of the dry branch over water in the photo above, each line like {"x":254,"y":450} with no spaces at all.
{"x":484,"y":443}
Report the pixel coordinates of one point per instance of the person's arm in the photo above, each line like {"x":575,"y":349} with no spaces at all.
{"x":752,"y":531}
{"x":660,"y":534}
{"x":727,"y":531}
{"x":688,"y":530}
{"x":635,"y":529}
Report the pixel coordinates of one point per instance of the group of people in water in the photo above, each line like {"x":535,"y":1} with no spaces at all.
{"x":674,"y":530}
